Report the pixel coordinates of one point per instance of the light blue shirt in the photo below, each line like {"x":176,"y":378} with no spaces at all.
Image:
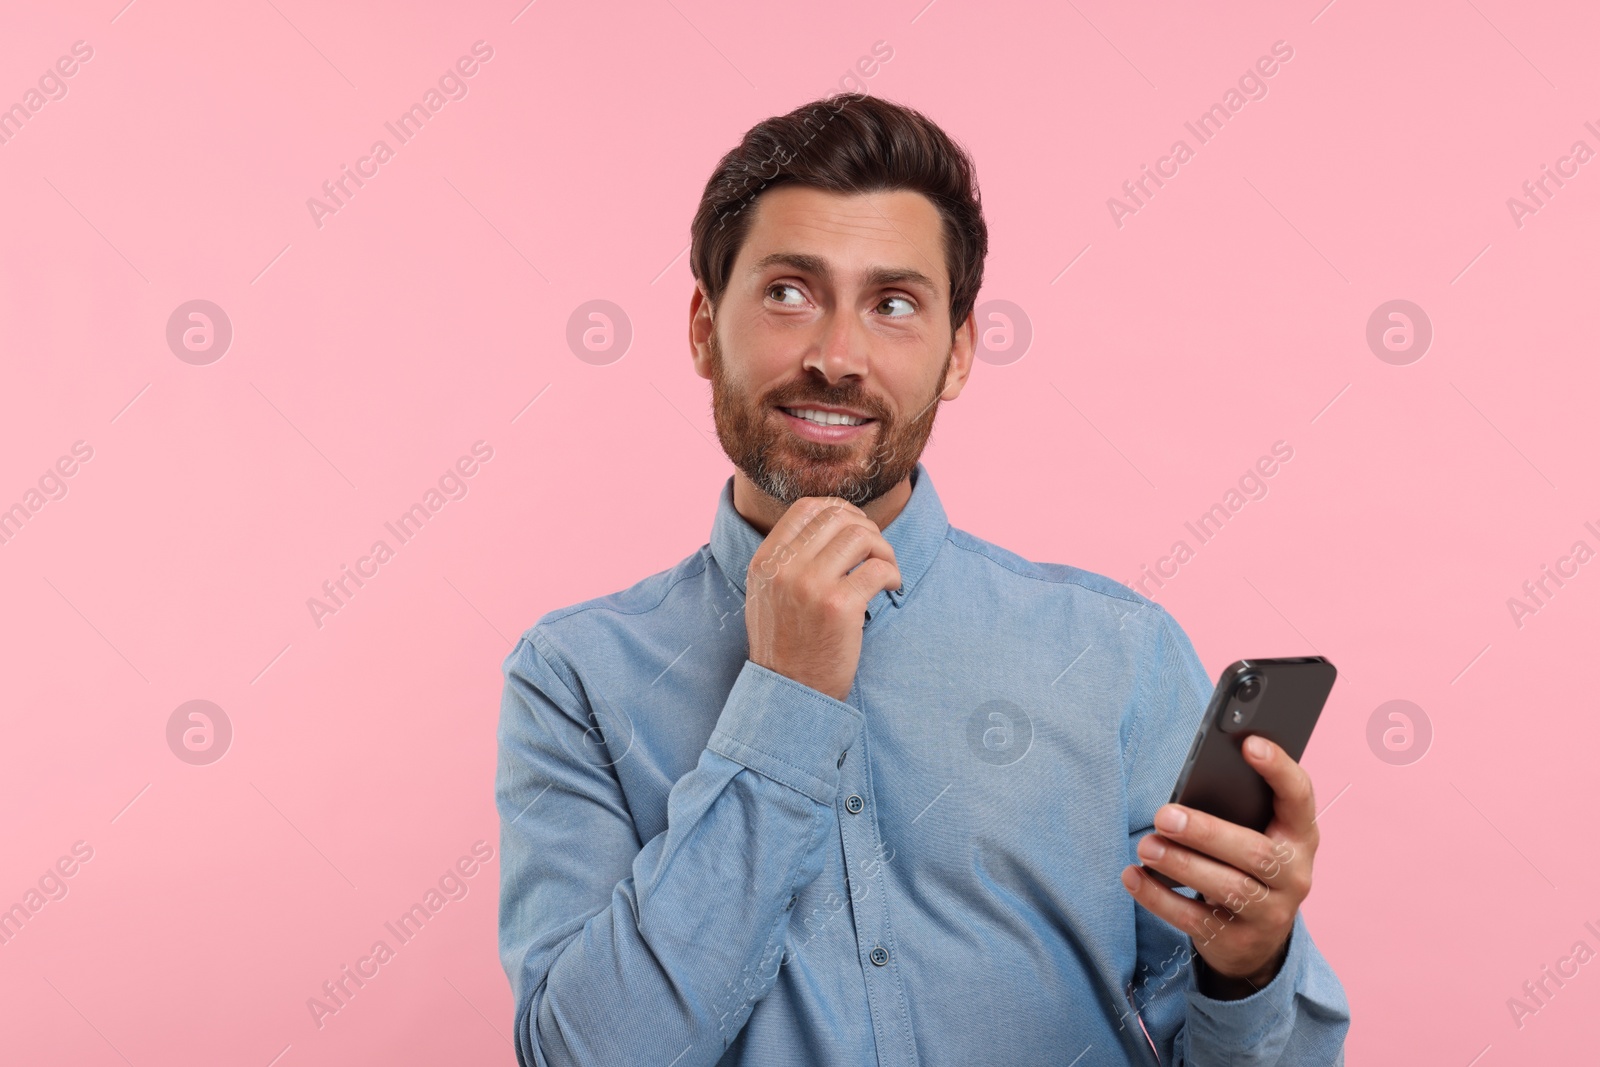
{"x":705,"y":862}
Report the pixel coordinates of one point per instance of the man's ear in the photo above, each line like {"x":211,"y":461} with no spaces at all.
{"x":701,"y":323}
{"x":962,"y":349}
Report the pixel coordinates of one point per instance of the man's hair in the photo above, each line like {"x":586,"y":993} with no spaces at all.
{"x":849,"y":143}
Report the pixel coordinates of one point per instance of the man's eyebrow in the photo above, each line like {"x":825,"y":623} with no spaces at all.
{"x":816,"y":265}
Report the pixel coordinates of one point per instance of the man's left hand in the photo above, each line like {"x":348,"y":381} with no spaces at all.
{"x":1252,"y":883}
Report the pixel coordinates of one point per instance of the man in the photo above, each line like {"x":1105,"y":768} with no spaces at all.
{"x":849,"y":785}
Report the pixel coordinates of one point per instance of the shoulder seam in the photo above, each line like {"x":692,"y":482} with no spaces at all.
{"x":556,"y":660}
{"x":592,"y":604}
{"x":1062,"y":580}
{"x":1151,"y":663}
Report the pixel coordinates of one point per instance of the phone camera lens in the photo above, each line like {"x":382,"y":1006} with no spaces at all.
{"x":1248,"y":689}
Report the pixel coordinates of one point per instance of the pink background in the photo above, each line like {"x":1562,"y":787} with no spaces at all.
{"x":371,"y":352}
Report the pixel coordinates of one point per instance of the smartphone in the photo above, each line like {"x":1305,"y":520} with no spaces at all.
{"x":1279,"y":699}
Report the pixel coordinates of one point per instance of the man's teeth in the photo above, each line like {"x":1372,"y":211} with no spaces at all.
{"x":825,"y":418}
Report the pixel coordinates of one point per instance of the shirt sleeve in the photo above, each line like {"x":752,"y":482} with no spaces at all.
{"x":627,"y":951}
{"x":1300,"y":1017}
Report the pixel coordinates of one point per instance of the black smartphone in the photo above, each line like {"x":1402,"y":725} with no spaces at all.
{"x":1279,"y":699}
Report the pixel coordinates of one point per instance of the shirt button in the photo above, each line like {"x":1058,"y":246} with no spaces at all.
{"x":853,"y":804}
{"x":879,"y":955}
{"x":841,"y":758}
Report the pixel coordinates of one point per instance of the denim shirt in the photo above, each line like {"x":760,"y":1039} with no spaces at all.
{"x":706,"y":862}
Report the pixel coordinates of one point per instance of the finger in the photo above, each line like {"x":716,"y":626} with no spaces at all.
{"x":1216,"y":881}
{"x":1294,"y":803}
{"x":1237,"y":846}
{"x":847,"y":543}
{"x":831,"y":517}
{"x":788,"y":536}
{"x":802,"y":512}
{"x":861,"y":557}
{"x":1194,"y":917}
{"x":872,"y":577}
{"x":805,"y":512}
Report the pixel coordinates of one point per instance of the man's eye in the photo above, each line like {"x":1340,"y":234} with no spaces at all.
{"x":910,"y":307}
{"x":785,"y":285}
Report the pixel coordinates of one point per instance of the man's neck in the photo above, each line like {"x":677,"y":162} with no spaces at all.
{"x":763,"y":512}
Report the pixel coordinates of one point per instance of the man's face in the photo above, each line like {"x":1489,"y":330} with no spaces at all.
{"x":837,"y":306}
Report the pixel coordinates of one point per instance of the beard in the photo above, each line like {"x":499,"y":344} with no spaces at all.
{"x":786,"y":466}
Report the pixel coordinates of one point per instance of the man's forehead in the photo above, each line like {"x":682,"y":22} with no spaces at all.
{"x":896,"y":229}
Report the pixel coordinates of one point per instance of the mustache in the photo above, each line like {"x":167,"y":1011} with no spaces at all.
{"x":855,"y":400}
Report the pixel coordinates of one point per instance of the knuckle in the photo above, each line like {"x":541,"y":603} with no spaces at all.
{"x":854,"y":532}
{"x":839,"y":601}
{"x":1254,"y":889}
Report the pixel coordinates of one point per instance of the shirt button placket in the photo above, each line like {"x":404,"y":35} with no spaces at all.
{"x":864,"y":861}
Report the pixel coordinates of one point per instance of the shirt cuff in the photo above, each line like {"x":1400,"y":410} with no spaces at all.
{"x":1261,"y":1023}
{"x":786,"y":731}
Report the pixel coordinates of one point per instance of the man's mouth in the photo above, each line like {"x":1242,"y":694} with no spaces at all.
{"x":825,"y":418}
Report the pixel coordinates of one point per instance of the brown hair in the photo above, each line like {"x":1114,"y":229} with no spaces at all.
{"x":846,"y":143}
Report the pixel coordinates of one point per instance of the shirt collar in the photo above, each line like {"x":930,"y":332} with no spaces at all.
{"x":916,"y":534}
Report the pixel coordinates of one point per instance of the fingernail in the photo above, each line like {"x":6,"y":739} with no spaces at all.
{"x":1130,"y":878}
{"x":1172,"y":819}
{"x":1151,"y":848}
{"x":1257,"y":746}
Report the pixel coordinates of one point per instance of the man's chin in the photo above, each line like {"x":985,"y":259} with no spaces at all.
{"x":845,"y":480}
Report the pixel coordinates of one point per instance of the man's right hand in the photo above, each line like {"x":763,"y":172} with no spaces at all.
{"x":803,"y":603}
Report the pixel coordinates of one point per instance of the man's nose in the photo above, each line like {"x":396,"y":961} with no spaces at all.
{"x":843,"y":349}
